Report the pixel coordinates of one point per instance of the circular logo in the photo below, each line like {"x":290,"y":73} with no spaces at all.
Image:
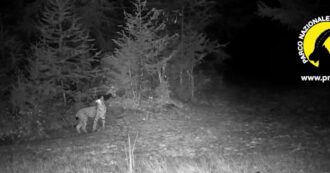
{"x":314,"y":42}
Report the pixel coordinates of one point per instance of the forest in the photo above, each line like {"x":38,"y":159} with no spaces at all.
{"x":186,"y":57}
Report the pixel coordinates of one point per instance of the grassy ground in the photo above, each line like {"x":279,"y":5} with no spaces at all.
{"x":246,"y":131}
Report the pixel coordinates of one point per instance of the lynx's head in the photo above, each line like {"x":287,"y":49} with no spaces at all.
{"x":100,"y":100}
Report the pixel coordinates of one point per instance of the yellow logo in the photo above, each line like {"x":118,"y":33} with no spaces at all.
{"x":314,"y":41}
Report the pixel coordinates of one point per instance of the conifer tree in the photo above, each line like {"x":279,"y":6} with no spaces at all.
{"x":101,"y":17}
{"x":64,"y":55}
{"x":194,"y":46}
{"x":191,"y":20}
{"x":141,"y":49}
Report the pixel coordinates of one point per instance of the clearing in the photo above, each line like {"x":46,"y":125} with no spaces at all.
{"x":243,"y":130}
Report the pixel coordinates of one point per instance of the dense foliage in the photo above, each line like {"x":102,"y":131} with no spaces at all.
{"x":153,"y":56}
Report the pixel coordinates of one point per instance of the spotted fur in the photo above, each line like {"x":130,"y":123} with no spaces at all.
{"x":97,"y":112}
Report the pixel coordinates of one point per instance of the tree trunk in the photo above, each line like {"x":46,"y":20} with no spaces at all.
{"x":181,"y":78}
{"x":63,"y":93}
{"x":160,"y":76}
{"x":192,"y":83}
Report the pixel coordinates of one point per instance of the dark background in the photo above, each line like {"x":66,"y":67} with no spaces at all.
{"x":262,"y":47}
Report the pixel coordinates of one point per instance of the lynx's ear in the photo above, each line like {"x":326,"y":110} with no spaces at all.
{"x":101,"y":99}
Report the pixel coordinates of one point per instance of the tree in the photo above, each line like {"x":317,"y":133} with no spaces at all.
{"x":293,"y":13}
{"x":10,"y":50}
{"x":194,"y":46}
{"x":61,"y":64}
{"x":102,"y":18}
{"x":191,"y":19}
{"x":141,"y":52}
{"x":64,"y":56}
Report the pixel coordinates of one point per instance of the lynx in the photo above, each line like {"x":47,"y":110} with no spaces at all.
{"x":97,"y":112}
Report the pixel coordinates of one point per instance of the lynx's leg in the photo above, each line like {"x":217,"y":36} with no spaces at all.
{"x":84,"y":125}
{"x":95,"y":124}
{"x":79,"y":125}
{"x":103,"y":123}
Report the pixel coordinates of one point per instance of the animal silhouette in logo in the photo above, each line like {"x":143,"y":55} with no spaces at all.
{"x":320,"y":52}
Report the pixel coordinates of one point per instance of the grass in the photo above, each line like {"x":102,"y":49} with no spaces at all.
{"x":297,"y":141}
{"x":74,"y":162}
{"x":129,"y":151}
